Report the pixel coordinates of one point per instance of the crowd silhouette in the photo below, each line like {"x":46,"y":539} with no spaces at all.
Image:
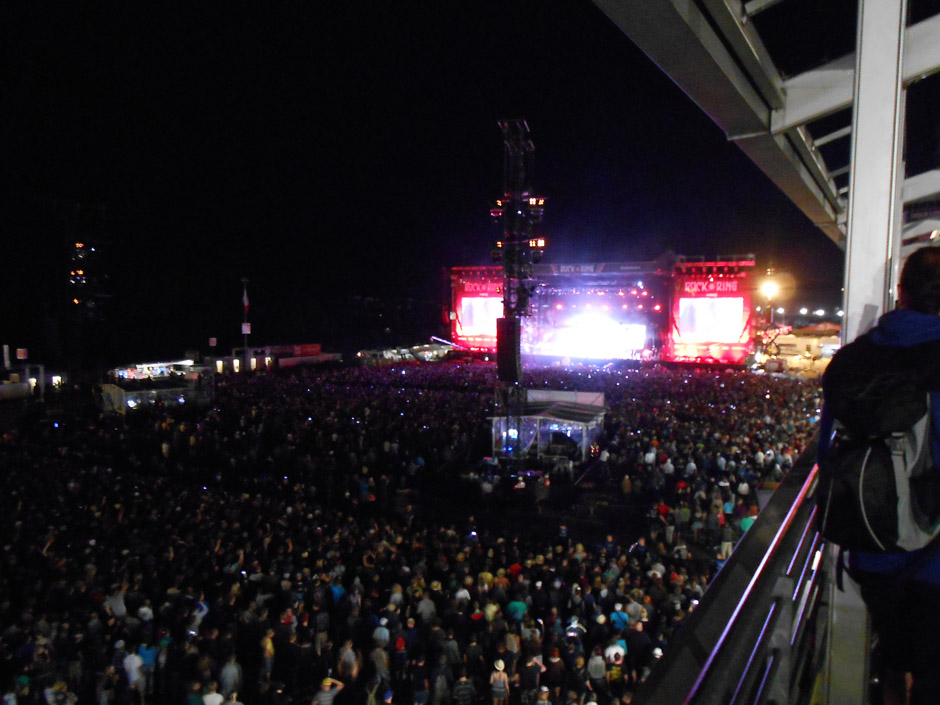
{"x":289,"y":544}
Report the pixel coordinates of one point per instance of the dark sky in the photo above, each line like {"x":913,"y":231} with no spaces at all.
{"x":330,"y":149}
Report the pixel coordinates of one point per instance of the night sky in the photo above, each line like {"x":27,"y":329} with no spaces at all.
{"x":333,"y":150}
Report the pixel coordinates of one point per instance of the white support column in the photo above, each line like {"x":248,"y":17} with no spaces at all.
{"x":875,"y":206}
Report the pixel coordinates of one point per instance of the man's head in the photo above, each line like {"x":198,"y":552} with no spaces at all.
{"x":920,"y":281}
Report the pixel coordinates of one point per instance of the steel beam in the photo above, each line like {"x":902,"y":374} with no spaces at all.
{"x":679,"y":39}
{"x":873,"y":245}
{"x":833,"y":136}
{"x":749,"y":48}
{"x":815,"y":94}
{"x":755,"y":6}
{"x":776,"y":156}
{"x":828,"y":89}
{"x":922,"y":186}
{"x":682,"y":41}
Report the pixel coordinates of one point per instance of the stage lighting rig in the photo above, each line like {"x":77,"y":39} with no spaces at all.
{"x":519,"y":210}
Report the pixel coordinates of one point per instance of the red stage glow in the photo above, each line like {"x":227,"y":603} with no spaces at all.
{"x":709,"y":307}
{"x":711,"y":313}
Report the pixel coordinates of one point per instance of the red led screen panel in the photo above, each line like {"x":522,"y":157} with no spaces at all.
{"x":711,"y":319}
{"x":477,"y":303}
{"x":477,"y":316}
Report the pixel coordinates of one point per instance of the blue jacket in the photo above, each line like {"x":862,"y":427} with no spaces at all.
{"x":900,"y":328}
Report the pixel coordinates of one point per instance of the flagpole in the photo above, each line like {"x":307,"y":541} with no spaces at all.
{"x":245,"y":319}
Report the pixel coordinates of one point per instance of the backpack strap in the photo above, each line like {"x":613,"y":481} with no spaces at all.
{"x":840,"y":568}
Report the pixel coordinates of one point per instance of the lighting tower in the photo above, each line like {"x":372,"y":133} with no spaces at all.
{"x":519,"y":210}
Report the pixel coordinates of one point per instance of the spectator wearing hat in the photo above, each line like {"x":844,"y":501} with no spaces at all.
{"x":619,"y":619}
{"x":381,"y":635}
{"x":499,"y":683}
{"x":327,"y":693}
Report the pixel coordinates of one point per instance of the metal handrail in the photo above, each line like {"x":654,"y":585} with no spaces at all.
{"x":758,"y":635}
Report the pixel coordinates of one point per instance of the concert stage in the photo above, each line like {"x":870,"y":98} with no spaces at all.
{"x":671,"y":311}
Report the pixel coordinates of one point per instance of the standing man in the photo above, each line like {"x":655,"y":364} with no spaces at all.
{"x":328,"y":693}
{"x":464,"y":692}
{"x":529,"y":676}
{"x":901,"y":588}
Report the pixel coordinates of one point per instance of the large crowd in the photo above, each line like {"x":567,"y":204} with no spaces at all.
{"x":286,"y":545}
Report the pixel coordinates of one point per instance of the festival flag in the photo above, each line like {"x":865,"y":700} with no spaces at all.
{"x":245,"y":298}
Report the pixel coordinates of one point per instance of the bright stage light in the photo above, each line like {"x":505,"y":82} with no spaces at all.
{"x":594,"y":336}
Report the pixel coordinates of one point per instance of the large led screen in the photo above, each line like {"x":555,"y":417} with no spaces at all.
{"x":477,"y":316}
{"x":711,"y":320}
{"x":591,"y":336}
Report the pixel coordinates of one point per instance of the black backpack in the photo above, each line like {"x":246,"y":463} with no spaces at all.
{"x":878,"y":489}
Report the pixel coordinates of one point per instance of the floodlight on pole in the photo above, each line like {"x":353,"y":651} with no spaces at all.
{"x":769,"y":288}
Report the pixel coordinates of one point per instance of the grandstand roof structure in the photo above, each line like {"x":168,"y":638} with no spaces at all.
{"x":778,"y":77}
